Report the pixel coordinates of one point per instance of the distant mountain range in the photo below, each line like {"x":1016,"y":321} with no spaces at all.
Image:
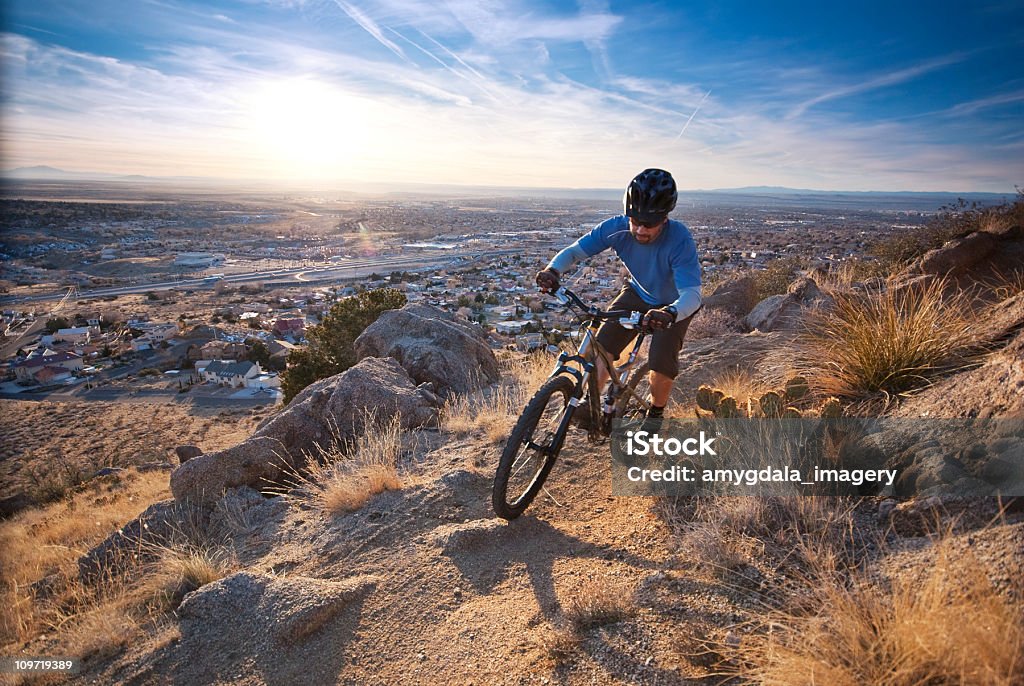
{"x":46,"y":173}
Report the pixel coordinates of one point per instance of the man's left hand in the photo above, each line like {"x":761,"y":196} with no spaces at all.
{"x":661,"y":318}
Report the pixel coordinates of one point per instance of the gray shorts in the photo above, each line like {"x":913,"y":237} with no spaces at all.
{"x":665,"y":344}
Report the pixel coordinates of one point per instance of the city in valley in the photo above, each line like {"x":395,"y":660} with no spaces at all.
{"x":122,"y":292}
{"x":136,"y":318}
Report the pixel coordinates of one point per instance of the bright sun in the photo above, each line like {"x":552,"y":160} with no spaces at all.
{"x":309,"y":128}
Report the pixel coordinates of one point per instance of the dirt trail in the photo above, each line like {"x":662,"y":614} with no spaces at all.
{"x":462,"y":597}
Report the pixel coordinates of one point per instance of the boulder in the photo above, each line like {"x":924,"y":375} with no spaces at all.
{"x":785,"y":312}
{"x":13,"y":504}
{"x":432,"y":347}
{"x":271,"y":629}
{"x":135,"y":542}
{"x":332,"y":410}
{"x":956,"y":256}
{"x":187,"y":452}
{"x":736,"y":296}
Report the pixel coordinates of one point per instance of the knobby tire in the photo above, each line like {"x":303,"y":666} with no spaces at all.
{"x":532,"y":448}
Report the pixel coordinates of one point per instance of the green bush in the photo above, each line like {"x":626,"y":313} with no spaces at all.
{"x":330,"y":350}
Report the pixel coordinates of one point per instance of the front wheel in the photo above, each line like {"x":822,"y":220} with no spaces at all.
{"x":532,"y":448}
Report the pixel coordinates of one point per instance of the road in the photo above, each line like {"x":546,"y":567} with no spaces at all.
{"x":351,"y":269}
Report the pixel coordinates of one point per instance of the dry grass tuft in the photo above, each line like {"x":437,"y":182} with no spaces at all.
{"x":492,"y":412}
{"x":344,"y":476}
{"x":39,"y":565}
{"x":1006,"y":285}
{"x":598,"y":603}
{"x":741,"y":384}
{"x":719,"y":532}
{"x":180,"y":569}
{"x":886,"y":342}
{"x":952,"y":628}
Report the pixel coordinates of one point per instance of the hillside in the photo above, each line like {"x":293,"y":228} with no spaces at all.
{"x":320,"y":580}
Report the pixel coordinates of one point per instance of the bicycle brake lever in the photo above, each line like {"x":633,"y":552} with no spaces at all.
{"x":630,"y":322}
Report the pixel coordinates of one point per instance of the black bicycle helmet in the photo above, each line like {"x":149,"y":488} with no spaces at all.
{"x":650,"y":196}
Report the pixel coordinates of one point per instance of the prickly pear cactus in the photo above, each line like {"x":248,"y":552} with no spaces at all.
{"x":771,"y":404}
{"x":831,"y":409}
{"x":796,"y":388}
{"x":727,"y":408}
{"x":706,"y":398}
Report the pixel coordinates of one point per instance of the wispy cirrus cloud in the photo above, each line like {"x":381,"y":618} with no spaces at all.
{"x":891,"y":78}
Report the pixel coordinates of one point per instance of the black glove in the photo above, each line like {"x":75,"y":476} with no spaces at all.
{"x":547,"y":280}
{"x":661,"y":318}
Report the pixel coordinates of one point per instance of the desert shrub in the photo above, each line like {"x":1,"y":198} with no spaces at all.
{"x":885,"y":342}
{"x":776,"y":277}
{"x":330,"y":350}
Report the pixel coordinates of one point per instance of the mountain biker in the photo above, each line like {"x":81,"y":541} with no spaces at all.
{"x":664,"y":277}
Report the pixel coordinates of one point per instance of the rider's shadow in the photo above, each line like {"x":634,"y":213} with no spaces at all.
{"x":534,"y":546}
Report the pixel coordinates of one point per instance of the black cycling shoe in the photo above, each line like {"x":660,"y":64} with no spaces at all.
{"x":653,"y":420}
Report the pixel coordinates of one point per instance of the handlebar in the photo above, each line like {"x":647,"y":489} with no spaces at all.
{"x":629,"y":319}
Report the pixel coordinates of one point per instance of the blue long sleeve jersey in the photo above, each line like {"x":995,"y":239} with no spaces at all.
{"x":663,"y":272}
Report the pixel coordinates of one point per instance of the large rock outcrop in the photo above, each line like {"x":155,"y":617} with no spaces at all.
{"x":736,"y":296}
{"x":331,"y":410}
{"x":786,"y":311}
{"x":432,"y":347}
{"x":981,"y":255}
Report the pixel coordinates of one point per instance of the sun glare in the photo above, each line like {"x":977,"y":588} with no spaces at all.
{"x":309,"y":128}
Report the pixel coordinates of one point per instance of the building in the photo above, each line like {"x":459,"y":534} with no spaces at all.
{"x":78,"y":335}
{"x":154,"y":335}
{"x":199,"y":260}
{"x":233,"y":374}
{"x":30,"y":368}
{"x":292,"y":327}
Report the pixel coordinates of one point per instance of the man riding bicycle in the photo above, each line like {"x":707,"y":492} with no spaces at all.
{"x":664,"y":277}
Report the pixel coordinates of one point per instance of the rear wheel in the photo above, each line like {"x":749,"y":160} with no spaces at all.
{"x":532,"y":448}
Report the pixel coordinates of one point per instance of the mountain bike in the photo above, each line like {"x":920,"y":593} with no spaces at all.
{"x":541,"y":429}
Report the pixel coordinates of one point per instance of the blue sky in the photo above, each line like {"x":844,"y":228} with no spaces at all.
{"x":863,"y":96}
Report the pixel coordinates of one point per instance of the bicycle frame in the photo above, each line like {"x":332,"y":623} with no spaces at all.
{"x":587,"y":353}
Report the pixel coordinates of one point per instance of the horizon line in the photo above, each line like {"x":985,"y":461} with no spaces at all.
{"x":65,"y":175}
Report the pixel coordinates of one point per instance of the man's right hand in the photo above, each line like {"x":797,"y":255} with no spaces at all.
{"x":547,"y":280}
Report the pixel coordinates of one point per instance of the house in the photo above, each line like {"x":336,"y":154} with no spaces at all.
{"x":78,"y":335}
{"x":28,"y":369}
{"x":529,"y":342}
{"x":515,"y":326}
{"x":233,"y":374}
{"x":290,"y":327}
{"x":52,"y":374}
{"x":222,"y":350}
{"x":280,"y":350}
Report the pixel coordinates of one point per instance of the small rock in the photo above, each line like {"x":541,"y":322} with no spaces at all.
{"x":885,"y":509}
{"x":107,"y":471}
{"x":187,"y":452}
